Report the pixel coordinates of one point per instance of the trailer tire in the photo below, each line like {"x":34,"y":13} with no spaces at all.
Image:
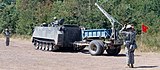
{"x":95,"y":48}
{"x":114,"y":52}
{"x":102,"y":45}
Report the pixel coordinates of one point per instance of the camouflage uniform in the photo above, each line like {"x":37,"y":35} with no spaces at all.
{"x":130,"y":44}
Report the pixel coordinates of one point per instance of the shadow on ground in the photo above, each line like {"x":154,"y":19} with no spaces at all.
{"x":146,"y":67}
{"x":119,"y":55}
{"x":105,"y":54}
{"x":66,"y":50}
{"x":122,"y":55}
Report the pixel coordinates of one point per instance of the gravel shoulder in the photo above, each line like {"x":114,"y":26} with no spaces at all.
{"x":21,"y":55}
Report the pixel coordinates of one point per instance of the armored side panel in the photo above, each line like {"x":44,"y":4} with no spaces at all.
{"x":57,"y":36}
{"x":47,"y":34}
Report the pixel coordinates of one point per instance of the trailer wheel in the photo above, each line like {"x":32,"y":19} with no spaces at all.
{"x":102,"y":45}
{"x":95,"y":47}
{"x":114,"y":52}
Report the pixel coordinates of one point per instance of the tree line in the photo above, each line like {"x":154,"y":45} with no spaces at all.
{"x":21,"y":16}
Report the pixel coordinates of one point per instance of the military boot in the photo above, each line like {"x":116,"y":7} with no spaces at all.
{"x":131,"y":66}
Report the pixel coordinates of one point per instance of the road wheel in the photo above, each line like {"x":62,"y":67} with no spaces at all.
{"x":36,"y":45}
{"x":50,"y":47}
{"x":95,"y":48}
{"x":43,"y":46}
{"x":114,"y":51}
{"x":40,"y":46}
{"x":47,"y":47}
{"x":55,"y":47}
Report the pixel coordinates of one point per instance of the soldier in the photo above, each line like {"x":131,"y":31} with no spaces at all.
{"x":130,"y":43}
{"x":55,"y":21}
{"x":7,"y":34}
{"x":44,"y":25}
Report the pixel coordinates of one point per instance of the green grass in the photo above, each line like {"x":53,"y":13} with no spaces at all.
{"x":148,"y":42}
{"x":21,"y":37}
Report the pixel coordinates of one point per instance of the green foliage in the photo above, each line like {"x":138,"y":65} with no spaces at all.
{"x":149,"y":42}
{"x":21,"y":16}
{"x":8,"y":16}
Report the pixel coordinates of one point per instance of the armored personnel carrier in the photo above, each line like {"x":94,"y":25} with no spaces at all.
{"x":53,"y":36}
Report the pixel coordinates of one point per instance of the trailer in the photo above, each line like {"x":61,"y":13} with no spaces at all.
{"x":99,"y":40}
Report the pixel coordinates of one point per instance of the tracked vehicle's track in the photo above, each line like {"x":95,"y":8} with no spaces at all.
{"x":44,"y":45}
{"x":49,"y":45}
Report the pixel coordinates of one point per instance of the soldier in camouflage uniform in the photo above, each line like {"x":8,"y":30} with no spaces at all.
{"x":7,"y":34}
{"x":130,"y":43}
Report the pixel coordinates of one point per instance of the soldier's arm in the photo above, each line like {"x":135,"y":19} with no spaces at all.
{"x":122,"y":31}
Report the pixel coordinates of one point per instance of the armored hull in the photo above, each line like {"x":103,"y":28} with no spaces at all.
{"x":53,"y":38}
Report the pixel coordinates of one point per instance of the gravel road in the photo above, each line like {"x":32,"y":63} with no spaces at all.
{"x":21,"y":55}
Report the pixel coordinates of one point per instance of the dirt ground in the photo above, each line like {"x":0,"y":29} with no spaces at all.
{"x":21,"y":55}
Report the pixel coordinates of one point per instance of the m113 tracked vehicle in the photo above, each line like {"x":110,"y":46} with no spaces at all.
{"x":55,"y":36}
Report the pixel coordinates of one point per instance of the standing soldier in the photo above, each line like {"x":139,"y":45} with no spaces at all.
{"x":7,"y":34}
{"x":130,"y":43}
